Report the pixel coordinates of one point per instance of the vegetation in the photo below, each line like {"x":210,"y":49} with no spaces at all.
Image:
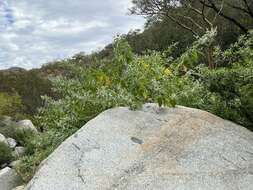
{"x":24,"y":89}
{"x":10,"y":104}
{"x":5,"y":154}
{"x":199,"y":15}
{"x":127,"y":79}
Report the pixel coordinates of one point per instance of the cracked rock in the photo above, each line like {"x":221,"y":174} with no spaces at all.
{"x":153,"y":149}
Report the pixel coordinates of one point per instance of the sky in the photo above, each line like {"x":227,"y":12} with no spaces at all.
{"x":34,"y":32}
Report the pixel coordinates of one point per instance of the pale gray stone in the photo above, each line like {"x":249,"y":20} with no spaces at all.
{"x":3,"y":139}
{"x":19,"y":188}
{"x":151,"y":149}
{"x":27,"y":125}
{"x":11,"y":142}
{"x":9,"y":179}
{"x":14,"y":163}
{"x":19,"y":151}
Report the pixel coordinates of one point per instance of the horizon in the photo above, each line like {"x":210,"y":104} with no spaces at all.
{"x":36,"y":33}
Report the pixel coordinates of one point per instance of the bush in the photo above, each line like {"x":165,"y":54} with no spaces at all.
{"x":225,"y":91}
{"x":234,"y":89}
{"x":29,"y":86}
{"x":5,"y":154}
{"x":10,"y":104}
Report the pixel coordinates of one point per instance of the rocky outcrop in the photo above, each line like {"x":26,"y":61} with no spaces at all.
{"x":154,"y":148}
{"x":9,"y":179}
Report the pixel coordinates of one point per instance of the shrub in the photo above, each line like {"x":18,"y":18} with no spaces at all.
{"x":8,"y":130}
{"x":234,"y":89}
{"x":10,"y":104}
{"x":29,"y":86}
{"x":226,"y":91}
{"x":5,"y":154}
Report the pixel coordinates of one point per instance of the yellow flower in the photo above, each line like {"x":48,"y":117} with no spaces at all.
{"x":145,"y":65}
{"x":104,"y":80}
{"x":167,"y":72}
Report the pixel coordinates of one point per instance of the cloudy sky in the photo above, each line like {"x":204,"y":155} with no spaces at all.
{"x":33,"y":32}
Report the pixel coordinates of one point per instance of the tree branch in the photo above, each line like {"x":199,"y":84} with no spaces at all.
{"x":217,"y":10}
{"x":202,"y":13}
{"x":247,"y":11}
{"x":182,"y":25}
{"x":192,"y":21}
{"x":248,"y":7}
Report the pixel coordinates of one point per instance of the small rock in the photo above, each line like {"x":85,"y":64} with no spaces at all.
{"x":9,"y":179}
{"x":14,"y":163}
{"x":3,"y":139}
{"x":11,"y":142}
{"x":22,"y":187}
{"x":27,"y":125}
{"x":19,"y":151}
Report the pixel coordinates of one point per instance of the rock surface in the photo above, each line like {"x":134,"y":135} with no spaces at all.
{"x":14,"y":163}
{"x":3,"y":139}
{"x":11,"y":142}
{"x":9,"y":179}
{"x":19,"y":151}
{"x":27,"y":125}
{"x":19,"y":187}
{"x":152,"y":149}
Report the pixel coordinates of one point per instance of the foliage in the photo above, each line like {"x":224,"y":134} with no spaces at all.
{"x":197,"y":16}
{"x":233,"y":88}
{"x":240,"y":52}
{"x":10,"y":104}
{"x":158,"y":36}
{"x":225,"y":91}
{"x":28,"y":85}
{"x":5,"y":153}
{"x":126,"y":79}
{"x":196,"y":54}
{"x":233,"y":83}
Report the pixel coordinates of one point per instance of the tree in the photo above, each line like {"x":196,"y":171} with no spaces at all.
{"x":239,"y":6}
{"x":197,"y":16}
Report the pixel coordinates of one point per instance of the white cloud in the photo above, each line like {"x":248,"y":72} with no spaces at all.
{"x":35,"y":32}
